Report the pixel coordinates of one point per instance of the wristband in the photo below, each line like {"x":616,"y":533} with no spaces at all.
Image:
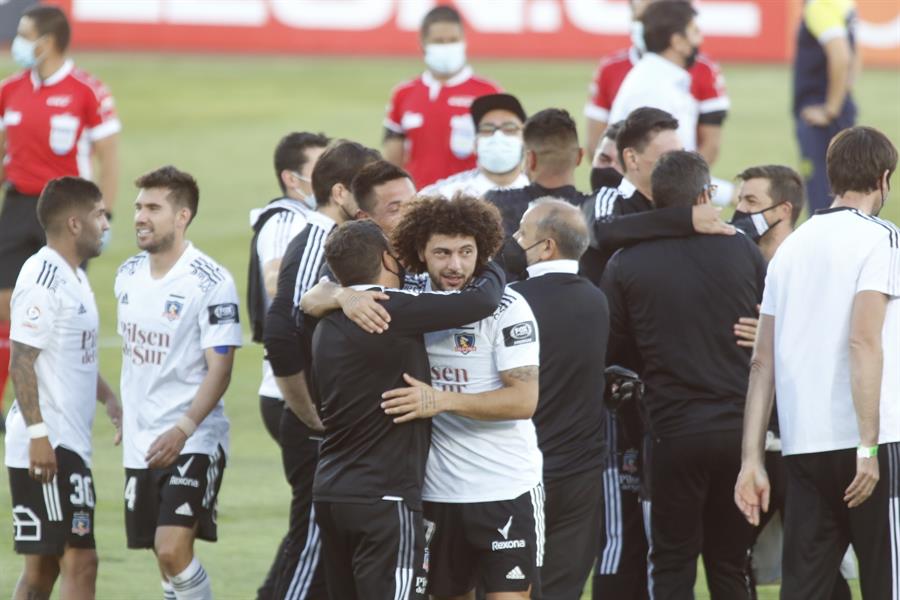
{"x":866,"y":451}
{"x":38,"y":430}
{"x":186,"y":425}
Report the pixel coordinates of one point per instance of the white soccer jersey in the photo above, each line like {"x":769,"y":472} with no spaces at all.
{"x":166,"y":325}
{"x":482,"y":461}
{"x":660,"y":83}
{"x":271,"y":243}
{"x":472,"y":182}
{"x":810,"y":288}
{"x":53,"y":309}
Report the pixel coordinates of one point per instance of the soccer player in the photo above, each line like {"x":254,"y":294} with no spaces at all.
{"x":428,"y":130}
{"x":301,"y":574}
{"x":57,"y":383}
{"x":573,"y":324}
{"x":707,"y":87}
{"x":499,"y":120}
{"x":483,"y":490}
{"x":826,"y":65}
{"x":606,"y":168}
{"x":55,"y":117}
{"x":660,"y":295}
{"x":274,"y":226}
{"x":837,"y":386}
{"x":368,"y":486}
{"x":179,"y":322}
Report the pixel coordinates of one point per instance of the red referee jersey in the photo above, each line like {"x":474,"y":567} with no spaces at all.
{"x":50,"y":125}
{"x":435,"y":121}
{"x":707,"y":85}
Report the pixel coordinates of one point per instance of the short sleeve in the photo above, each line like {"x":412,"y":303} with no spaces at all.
{"x":101,"y":118}
{"x":33,"y":316}
{"x":219,"y":317}
{"x":600,"y":96}
{"x":708,"y":88}
{"x":881,"y":270}
{"x":769,"y":303}
{"x":394,"y":113}
{"x":826,"y":19}
{"x":2,"y":104}
{"x":276,"y":234}
{"x":516,"y":342}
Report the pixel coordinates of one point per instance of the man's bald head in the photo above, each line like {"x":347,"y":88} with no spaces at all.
{"x":554,"y":219}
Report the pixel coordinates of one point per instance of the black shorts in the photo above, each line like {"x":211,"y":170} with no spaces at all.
{"x":372,"y":550}
{"x":21,"y":235}
{"x":50,"y":516}
{"x":184,"y":494}
{"x":497,"y":545}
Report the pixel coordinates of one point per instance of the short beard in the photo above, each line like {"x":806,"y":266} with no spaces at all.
{"x":88,"y":248}
{"x":162,"y":245}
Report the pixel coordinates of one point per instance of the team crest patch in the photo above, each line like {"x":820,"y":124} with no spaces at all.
{"x":81,"y":523}
{"x":173,"y":309}
{"x":464,"y":342}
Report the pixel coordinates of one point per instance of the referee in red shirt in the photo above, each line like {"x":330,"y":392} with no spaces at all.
{"x":428,"y":128}
{"x":53,"y":117}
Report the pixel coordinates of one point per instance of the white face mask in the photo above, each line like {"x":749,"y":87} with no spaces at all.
{"x":637,"y":36}
{"x":499,"y":153}
{"x":22,"y":52}
{"x":445,"y":59}
{"x":308,"y":199}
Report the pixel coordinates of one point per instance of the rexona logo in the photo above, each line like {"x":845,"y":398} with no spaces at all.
{"x":507,"y":545}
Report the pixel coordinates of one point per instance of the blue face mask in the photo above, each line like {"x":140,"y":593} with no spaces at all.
{"x":22,"y":52}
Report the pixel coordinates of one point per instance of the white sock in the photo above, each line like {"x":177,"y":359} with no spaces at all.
{"x":168,"y":591}
{"x":192,"y":583}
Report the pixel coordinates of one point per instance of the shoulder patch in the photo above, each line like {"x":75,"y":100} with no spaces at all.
{"x":520,"y":333}
{"x":221,"y":314}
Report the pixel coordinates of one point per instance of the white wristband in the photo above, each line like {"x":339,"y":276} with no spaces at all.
{"x":38,"y":430}
{"x":186,"y":425}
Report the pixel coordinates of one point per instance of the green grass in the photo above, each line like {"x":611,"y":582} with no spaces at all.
{"x":219,"y":118}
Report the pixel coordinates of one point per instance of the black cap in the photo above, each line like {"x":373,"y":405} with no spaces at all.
{"x":484,"y":104}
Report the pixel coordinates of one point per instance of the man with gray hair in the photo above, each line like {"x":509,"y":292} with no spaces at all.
{"x":569,"y":419}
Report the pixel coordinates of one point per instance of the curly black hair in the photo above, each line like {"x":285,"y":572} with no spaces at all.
{"x":461,"y":215}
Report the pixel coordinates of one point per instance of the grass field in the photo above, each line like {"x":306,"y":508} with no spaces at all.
{"x":219,"y":118}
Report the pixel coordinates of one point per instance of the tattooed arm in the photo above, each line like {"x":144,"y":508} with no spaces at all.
{"x":42,"y":459}
{"x":517,"y":399}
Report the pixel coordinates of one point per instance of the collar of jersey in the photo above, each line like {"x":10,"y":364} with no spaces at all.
{"x":434,"y":85}
{"x":665,"y":67}
{"x":562,"y":265}
{"x":60,"y":74}
{"x":634,"y":55}
{"x":323,"y":221}
{"x":626,"y":188}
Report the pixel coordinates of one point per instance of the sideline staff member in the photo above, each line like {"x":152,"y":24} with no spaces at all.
{"x":46,"y":113}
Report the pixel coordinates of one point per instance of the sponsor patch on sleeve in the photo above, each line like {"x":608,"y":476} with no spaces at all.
{"x":221,"y":314}
{"x":520,"y":333}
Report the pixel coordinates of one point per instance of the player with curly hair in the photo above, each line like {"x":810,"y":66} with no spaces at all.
{"x":483,"y":494}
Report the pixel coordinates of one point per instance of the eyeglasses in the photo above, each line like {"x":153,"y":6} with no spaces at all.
{"x":711,"y":188}
{"x":508,"y":128}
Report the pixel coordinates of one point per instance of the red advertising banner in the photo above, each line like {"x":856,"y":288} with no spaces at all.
{"x":741,"y":30}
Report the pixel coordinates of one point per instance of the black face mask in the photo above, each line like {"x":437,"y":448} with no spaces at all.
{"x":692,"y":57}
{"x":401,"y":274}
{"x":754,"y":224}
{"x":604,"y":177}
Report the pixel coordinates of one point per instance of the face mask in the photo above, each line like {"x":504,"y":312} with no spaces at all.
{"x":308,"y":199}
{"x":754,"y":224}
{"x":445,"y":59}
{"x":637,"y":36}
{"x":499,"y":153}
{"x":22,"y":52}
{"x":401,"y":274}
{"x":605,"y":177}
{"x":692,"y":57}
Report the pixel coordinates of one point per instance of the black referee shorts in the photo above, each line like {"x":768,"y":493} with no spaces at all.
{"x":372,"y":550}
{"x":20,"y":234}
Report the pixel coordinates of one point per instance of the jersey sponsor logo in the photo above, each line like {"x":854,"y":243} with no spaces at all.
{"x":184,"y":481}
{"x":88,"y":346}
{"x":221,"y":314}
{"x":464,"y":342}
{"x":81,"y":523}
{"x":518,"y":334}
{"x":59,"y":101}
{"x":421,"y":583}
{"x":449,"y":379}
{"x":144,"y":346}
{"x":504,"y":531}
{"x":507,"y":545}
{"x":461,"y":101}
{"x":515,"y":573}
{"x":173,"y":307}
{"x":63,"y":133}
{"x":26,"y":524}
